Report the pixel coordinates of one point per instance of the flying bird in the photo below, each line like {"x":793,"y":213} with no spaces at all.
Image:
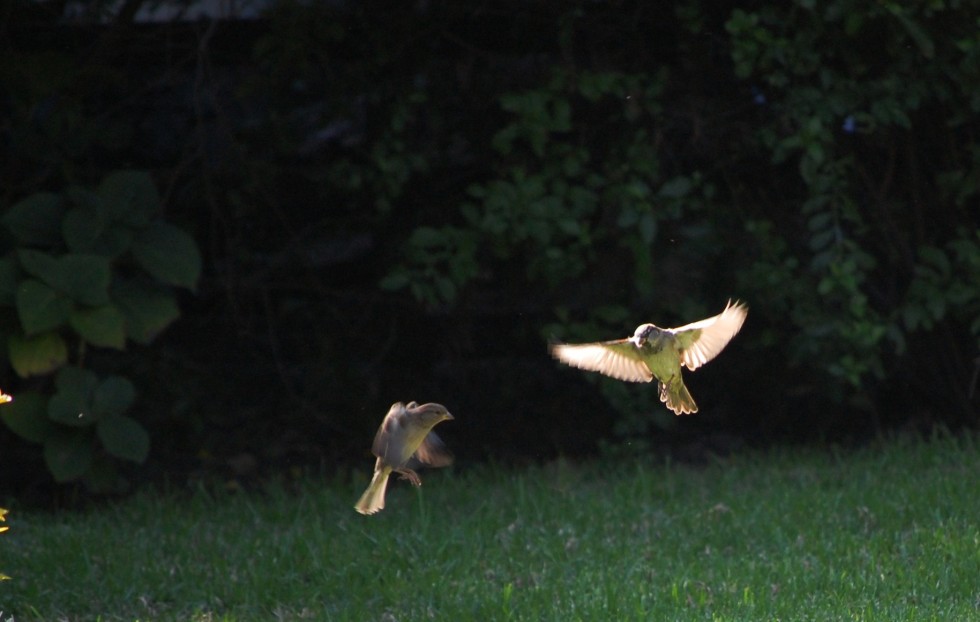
{"x":654,"y":352}
{"x":405,"y":436}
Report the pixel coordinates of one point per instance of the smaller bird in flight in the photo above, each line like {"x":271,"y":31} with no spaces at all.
{"x":405,"y":436}
{"x":654,"y":352}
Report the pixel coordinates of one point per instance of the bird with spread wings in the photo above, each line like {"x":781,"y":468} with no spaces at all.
{"x":654,"y":352}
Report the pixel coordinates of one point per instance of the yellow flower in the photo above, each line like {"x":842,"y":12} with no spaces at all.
{"x":3,"y":517}
{"x":4,"y":398}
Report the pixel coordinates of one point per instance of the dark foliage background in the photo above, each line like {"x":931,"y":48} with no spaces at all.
{"x":407,"y":201}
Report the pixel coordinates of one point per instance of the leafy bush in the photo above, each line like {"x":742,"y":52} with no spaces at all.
{"x":878,"y":136}
{"x":556,"y":185}
{"x":87,"y":268}
{"x":841,"y":209}
{"x":562,"y":172}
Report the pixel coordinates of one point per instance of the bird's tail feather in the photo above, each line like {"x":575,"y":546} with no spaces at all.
{"x":373,"y":499}
{"x":677,"y":397}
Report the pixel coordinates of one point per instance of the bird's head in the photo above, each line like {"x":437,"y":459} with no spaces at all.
{"x":430,"y":414}
{"x":641,"y":334}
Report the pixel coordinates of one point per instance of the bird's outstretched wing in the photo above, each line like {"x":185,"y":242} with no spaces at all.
{"x":702,"y":341}
{"x":619,"y":359}
{"x":433,"y":452}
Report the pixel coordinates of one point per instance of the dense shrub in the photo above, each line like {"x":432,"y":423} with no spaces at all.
{"x":408,"y":203}
{"x":86,"y":269}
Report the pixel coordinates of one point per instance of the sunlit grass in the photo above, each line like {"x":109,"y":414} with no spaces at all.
{"x":883,"y":533}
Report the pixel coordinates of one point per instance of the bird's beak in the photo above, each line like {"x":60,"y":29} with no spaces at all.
{"x":448,"y":417}
{"x":636,"y":341}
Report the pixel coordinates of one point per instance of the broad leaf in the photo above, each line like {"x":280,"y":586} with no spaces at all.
{"x":124,"y":438}
{"x":68,"y":455}
{"x":168,"y":254}
{"x":82,"y":277}
{"x":676,"y":188}
{"x":72,"y":402}
{"x":148,"y":309}
{"x":80,"y":196}
{"x":87,"y":279}
{"x":42,"y":265}
{"x":37,"y":355}
{"x":36,"y":219}
{"x":113,"y":397}
{"x":100,"y":326}
{"x":40,"y":307}
{"x":81,"y":228}
{"x":27,"y":416}
{"x":86,"y":231}
{"x":8,"y":281}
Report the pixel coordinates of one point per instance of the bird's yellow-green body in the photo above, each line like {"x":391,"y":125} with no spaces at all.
{"x":662,"y":354}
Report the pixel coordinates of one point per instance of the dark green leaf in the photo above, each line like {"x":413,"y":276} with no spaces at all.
{"x":628,"y":216}
{"x":72,"y":402}
{"x":124,"y":438}
{"x":822,"y":239}
{"x":427,"y":236}
{"x":168,"y":254}
{"x":100,"y":326}
{"x":85,"y":231}
{"x":81,"y":228}
{"x":676,"y":188}
{"x":113,"y":397}
{"x":446,"y":289}
{"x":27,"y":416}
{"x":147,"y":309}
{"x":36,"y":219}
{"x":937,"y":258}
{"x":40,"y":307}
{"x":82,"y":277}
{"x":85,"y":198}
{"x":918,"y":34}
{"x":8,"y":281}
{"x":37,"y":355}
{"x":41,"y":265}
{"x":68,"y":455}
{"x":648,"y":228}
{"x":394,"y":281}
{"x":820,"y":221}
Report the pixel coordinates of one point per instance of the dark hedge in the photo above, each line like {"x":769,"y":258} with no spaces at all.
{"x":408,"y":202}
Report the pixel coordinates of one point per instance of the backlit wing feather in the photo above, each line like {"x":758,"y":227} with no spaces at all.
{"x":704,"y":340}
{"x":618,"y":359}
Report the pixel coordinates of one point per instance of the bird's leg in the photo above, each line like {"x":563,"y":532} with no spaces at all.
{"x":665,"y":387}
{"x":410,"y":475}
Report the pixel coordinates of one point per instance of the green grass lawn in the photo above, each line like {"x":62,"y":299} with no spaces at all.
{"x":889,"y":532}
